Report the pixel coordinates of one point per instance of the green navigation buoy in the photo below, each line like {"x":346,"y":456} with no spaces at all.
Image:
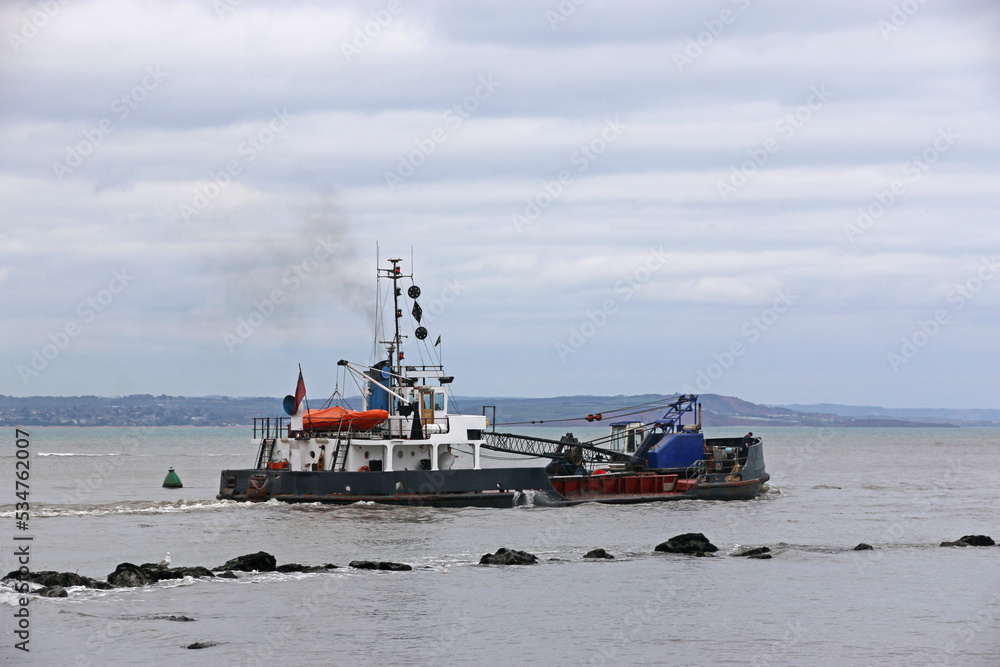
{"x":172,"y":481}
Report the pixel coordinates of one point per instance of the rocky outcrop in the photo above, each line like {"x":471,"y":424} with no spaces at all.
{"x":505,"y":556}
{"x":50,"y":578}
{"x":258,"y":562}
{"x":971,"y":541}
{"x":688,"y":543}
{"x":762,"y":553}
{"x":198,"y":645}
{"x":598,"y":553}
{"x":295,"y":567}
{"x":863,"y":547}
{"x":52,"y":592}
{"x":379,"y":565}
{"x":128,"y":575}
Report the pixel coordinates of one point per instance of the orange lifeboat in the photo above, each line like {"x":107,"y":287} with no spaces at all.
{"x":340,"y":419}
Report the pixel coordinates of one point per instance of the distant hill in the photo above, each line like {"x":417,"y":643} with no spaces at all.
{"x":135,"y":410}
{"x":963,"y":416}
{"x":149,"y":410}
{"x":716,"y":411}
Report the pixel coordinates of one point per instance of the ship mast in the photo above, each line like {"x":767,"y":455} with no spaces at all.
{"x":394,"y":347}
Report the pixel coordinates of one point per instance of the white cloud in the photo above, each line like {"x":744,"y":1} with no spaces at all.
{"x":220,"y":81}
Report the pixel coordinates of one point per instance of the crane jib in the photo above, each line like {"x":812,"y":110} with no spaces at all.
{"x":552,"y":449}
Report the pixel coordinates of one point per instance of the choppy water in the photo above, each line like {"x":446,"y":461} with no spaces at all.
{"x":97,"y":501}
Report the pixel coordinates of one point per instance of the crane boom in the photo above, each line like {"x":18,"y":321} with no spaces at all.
{"x":552,"y":449}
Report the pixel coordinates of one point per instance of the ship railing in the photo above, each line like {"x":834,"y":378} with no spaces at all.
{"x":398,"y":428}
{"x":270,"y":427}
{"x":696,"y":469}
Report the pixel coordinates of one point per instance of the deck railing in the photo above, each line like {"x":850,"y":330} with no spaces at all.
{"x":270,"y":427}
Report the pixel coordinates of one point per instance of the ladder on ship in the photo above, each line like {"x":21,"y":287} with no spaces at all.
{"x":340,"y":454}
{"x":264,"y":454}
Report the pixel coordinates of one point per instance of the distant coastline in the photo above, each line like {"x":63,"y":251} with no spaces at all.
{"x":149,"y":410}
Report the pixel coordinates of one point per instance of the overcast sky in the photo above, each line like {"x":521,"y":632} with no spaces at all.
{"x":786,"y":202}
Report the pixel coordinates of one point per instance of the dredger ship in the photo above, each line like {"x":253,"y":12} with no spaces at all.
{"x":406,"y":447}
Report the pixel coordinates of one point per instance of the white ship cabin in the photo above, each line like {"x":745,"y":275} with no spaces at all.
{"x":626,"y":436}
{"x":431,"y":440}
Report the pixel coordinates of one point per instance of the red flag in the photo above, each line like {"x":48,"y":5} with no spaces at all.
{"x":300,"y":392}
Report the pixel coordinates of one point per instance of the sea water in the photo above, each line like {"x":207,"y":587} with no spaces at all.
{"x":96,"y":500}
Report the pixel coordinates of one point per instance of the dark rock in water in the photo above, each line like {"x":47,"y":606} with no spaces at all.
{"x":379,"y":565}
{"x":598,"y":553}
{"x":170,"y":617}
{"x":754,"y":553}
{"x":52,"y":592}
{"x":259,"y":562}
{"x":295,"y":567}
{"x":226,"y":574}
{"x":203,"y":644}
{"x":971,"y":541}
{"x":61,"y":579}
{"x":505,"y":556}
{"x":688,"y":543}
{"x":364,"y":564}
{"x":50,"y":578}
{"x":703,"y":554}
{"x":160,"y":573}
{"x":760,"y":556}
{"x":395,"y":567}
{"x":197,"y":572}
{"x":129,"y":575}
{"x":864,"y":547}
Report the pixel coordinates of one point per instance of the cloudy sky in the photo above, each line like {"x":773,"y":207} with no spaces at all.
{"x":785,"y":202}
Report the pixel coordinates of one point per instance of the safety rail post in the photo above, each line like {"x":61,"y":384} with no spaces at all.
{"x":493,"y":421}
